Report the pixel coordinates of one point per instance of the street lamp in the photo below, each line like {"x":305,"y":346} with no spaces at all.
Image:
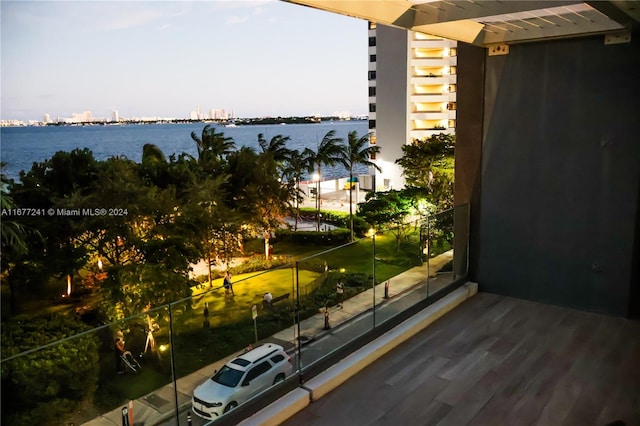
{"x":372,"y":233}
{"x":316,"y":178}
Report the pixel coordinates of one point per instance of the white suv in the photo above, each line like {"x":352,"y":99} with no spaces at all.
{"x":240,"y":379}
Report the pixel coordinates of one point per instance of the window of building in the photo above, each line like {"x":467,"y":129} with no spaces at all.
{"x":453,"y":51}
{"x":451,"y":106}
{"x":372,"y":90}
{"x":372,"y":139}
{"x":372,"y":75}
{"x":372,"y":124}
{"x":372,"y":58}
{"x":453,"y":70}
{"x":452,"y":87}
{"x":452,"y":123}
{"x":372,"y":41}
{"x":372,"y":107}
{"x":372,"y":156}
{"x":372,"y":25}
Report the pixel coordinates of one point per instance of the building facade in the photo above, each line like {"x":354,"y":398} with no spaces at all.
{"x":412,"y":93}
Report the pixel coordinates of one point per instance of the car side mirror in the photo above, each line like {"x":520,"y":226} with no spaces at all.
{"x":245,"y":383}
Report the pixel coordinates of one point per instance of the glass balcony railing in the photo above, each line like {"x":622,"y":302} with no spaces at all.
{"x":321,"y":307}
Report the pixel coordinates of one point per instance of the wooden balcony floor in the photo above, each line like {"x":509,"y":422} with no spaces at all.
{"x":497,"y":360}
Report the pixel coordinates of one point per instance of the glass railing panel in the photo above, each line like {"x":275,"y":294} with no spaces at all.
{"x":334,"y":287}
{"x":69,"y":380}
{"x":174,"y":342}
{"x":400,"y":269}
{"x":440,"y":234}
{"x":218,"y":324}
{"x":461,"y":241}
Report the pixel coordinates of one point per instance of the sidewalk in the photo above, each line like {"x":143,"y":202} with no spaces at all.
{"x":404,"y":290}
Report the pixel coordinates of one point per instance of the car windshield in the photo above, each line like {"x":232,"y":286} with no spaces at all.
{"x":228,"y":376}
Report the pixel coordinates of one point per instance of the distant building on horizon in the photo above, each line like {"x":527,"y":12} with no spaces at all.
{"x":412,"y":93}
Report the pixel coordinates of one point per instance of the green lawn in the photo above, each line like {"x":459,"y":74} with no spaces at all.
{"x":248,"y":288}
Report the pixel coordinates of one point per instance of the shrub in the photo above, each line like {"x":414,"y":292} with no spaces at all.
{"x":44,"y":386}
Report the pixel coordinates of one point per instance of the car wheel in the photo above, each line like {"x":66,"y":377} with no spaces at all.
{"x":279,"y":378}
{"x":230,"y":406}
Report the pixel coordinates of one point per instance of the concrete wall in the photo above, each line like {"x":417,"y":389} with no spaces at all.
{"x":557,"y":198}
{"x":391,"y":100}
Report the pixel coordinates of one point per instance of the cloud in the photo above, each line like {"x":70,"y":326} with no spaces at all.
{"x":234,"y":19}
{"x":130,"y":20}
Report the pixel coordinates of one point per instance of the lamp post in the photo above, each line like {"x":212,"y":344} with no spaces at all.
{"x":372,"y":232}
{"x":316,"y":177}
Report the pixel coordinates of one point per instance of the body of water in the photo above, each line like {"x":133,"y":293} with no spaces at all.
{"x":20,"y":147}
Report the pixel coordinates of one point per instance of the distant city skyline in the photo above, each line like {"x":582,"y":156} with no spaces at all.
{"x":163,"y":59}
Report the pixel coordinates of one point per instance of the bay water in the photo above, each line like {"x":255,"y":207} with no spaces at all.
{"x":20,"y":147}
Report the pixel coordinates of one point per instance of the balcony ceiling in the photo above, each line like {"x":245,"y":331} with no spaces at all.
{"x":490,"y":22}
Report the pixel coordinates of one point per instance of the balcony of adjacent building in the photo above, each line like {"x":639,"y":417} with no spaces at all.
{"x":429,"y":97}
{"x":444,"y":46}
{"x":428,"y":61}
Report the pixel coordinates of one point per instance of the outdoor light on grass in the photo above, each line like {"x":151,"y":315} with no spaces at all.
{"x":68,"y":285}
{"x":100,"y":264}
{"x":163,"y":348}
{"x":342,"y":270}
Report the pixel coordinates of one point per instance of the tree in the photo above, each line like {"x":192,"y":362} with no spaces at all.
{"x":276,"y":147}
{"x":51,"y":185}
{"x":296,"y":165}
{"x":15,"y":236}
{"x":146,"y":248}
{"x":429,"y":164}
{"x":258,"y":193}
{"x":154,"y":166}
{"x":330,"y":151}
{"x":388,"y":210}
{"x":358,"y":151}
{"x":207,"y":212}
{"x":13,"y":232}
{"x":213,"y":147}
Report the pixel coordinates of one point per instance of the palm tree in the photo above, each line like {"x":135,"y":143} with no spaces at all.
{"x":276,"y":146}
{"x":331,"y":150}
{"x":13,"y":233}
{"x":213,"y":147}
{"x":358,"y":151}
{"x":296,"y":164}
{"x":154,"y":164}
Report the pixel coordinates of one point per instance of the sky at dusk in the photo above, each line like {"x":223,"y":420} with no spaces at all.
{"x":162,"y":58}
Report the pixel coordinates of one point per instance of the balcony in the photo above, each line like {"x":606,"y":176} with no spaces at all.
{"x":430,"y":115}
{"x":430,"y":62}
{"x":429,"y":97}
{"x":426,"y":80}
{"x":497,"y":360}
{"x":432,"y":43}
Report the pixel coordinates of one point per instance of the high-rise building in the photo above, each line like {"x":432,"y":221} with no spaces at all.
{"x":412,"y":93}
